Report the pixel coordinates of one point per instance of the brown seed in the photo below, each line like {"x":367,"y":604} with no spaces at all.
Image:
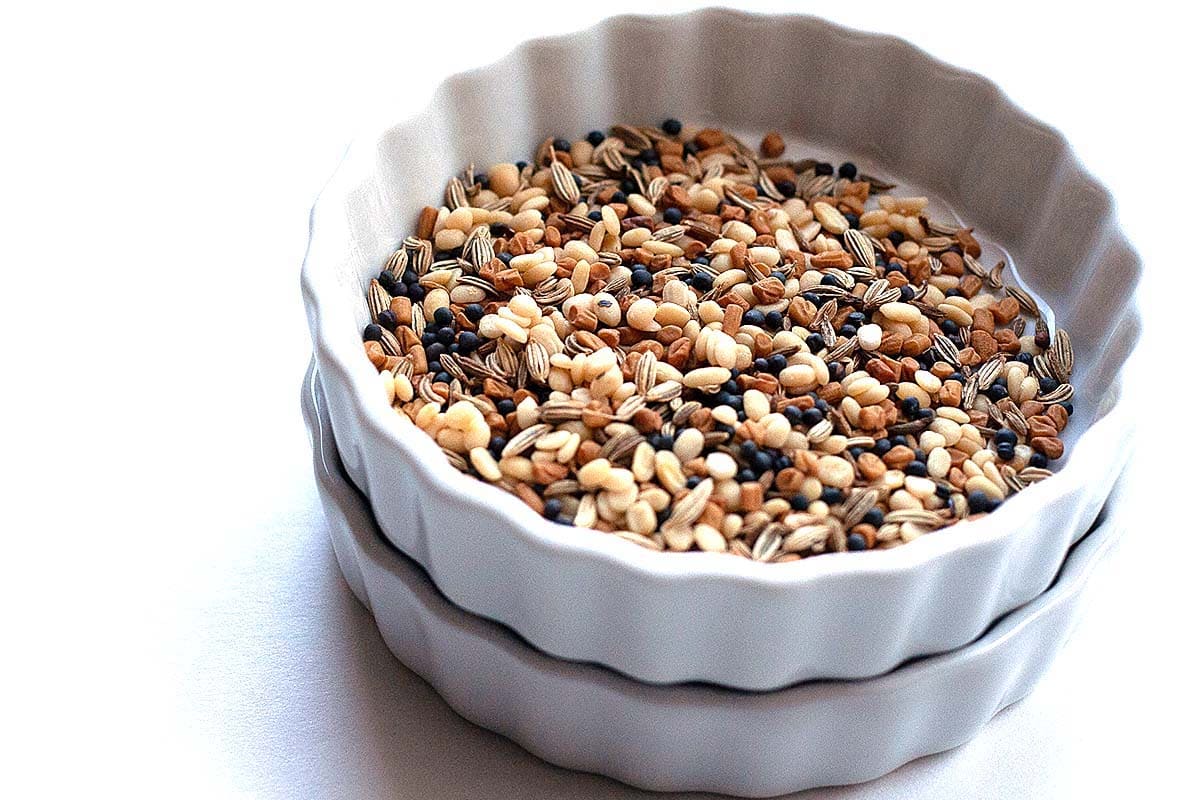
{"x":1051,"y":447}
{"x":375,"y":353}
{"x":1057,"y":415}
{"x":546,"y":472}
{"x":679,"y":352}
{"x":950,"y":394}
{"x":1041,"y":425}
{"x":871,"y":466}
{"x":839,"y":259}
{"x":984,"y":344}
{"x":772,"y":145}
{"x":1006,"y":310}
{"x":952,"y":264}
{"x":884,"y":370}
{"x":751,"y":496}
{"x":892,"y":343}
{"x":871,"y":418}
{"x":968,"y":243}
{"x":789,"y":480}
{"x":899,"y":457}
{"x":1031,"y":408}
{"x":426,"y":221}
{"x":709,"y":137}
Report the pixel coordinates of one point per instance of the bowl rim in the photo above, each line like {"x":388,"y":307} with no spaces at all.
{"x":1081,"y":558}
{"x":339,"y":351}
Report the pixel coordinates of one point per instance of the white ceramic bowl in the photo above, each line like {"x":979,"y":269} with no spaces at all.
{"x":669,"y":617}
{"x":678,"y":738}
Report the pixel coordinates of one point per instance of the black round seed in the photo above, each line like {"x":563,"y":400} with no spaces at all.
{"x":672,"y":127}
{"x":552,"y":508}
{"x":823,"y":168}
{"x":468,"y":342}
{"x":372,"y":333}
{"x":874,"y":517}
{"x":672,"y":216}
{"x":786,"y":188}
{"x":812,"y":416}
{"x":856,"y":542}
{"x":831,"y":496}
{"x":978,"y":502}
{"x":595,"y":137}
{"x":799,"y":502}
{"x":387,"y":319}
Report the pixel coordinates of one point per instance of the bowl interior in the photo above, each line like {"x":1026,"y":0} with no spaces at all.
{"x":863,"y":97}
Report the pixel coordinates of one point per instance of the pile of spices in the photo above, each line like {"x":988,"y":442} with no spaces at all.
{"x":662,"y":334}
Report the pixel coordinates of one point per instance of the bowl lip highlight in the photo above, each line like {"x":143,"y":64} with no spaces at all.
{"x":339,"y":354}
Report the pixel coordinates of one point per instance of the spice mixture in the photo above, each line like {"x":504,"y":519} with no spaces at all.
{"x":659,"y":333}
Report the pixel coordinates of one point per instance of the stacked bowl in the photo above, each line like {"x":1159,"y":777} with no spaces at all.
{"x":599,"y":655}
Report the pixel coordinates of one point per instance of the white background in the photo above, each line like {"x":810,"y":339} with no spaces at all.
{"x":173,"y":622}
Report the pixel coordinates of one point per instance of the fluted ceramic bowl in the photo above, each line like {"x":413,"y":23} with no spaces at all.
{"x":671,"y":617}
{"x":678,"y":738}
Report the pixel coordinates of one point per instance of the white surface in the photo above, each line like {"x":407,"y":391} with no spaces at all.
{"x":174,"y":621}
{"x":882,"y":608}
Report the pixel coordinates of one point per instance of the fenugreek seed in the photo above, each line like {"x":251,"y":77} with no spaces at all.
{"x":709,"y":539}
{"x":830,"y":218}
{"x":720,"y":466}
{"x":669,"y":471}
{"x":640,"y":518}
{"x":756,"y":404}
{"x":689,"y":443}
{"x":485,"y":465}
{"x":595,"y":473}
{"x":641,"y":315}
{"x":901,"y":312}
{"x":705,"y":377}
{"x":836,"y":472}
